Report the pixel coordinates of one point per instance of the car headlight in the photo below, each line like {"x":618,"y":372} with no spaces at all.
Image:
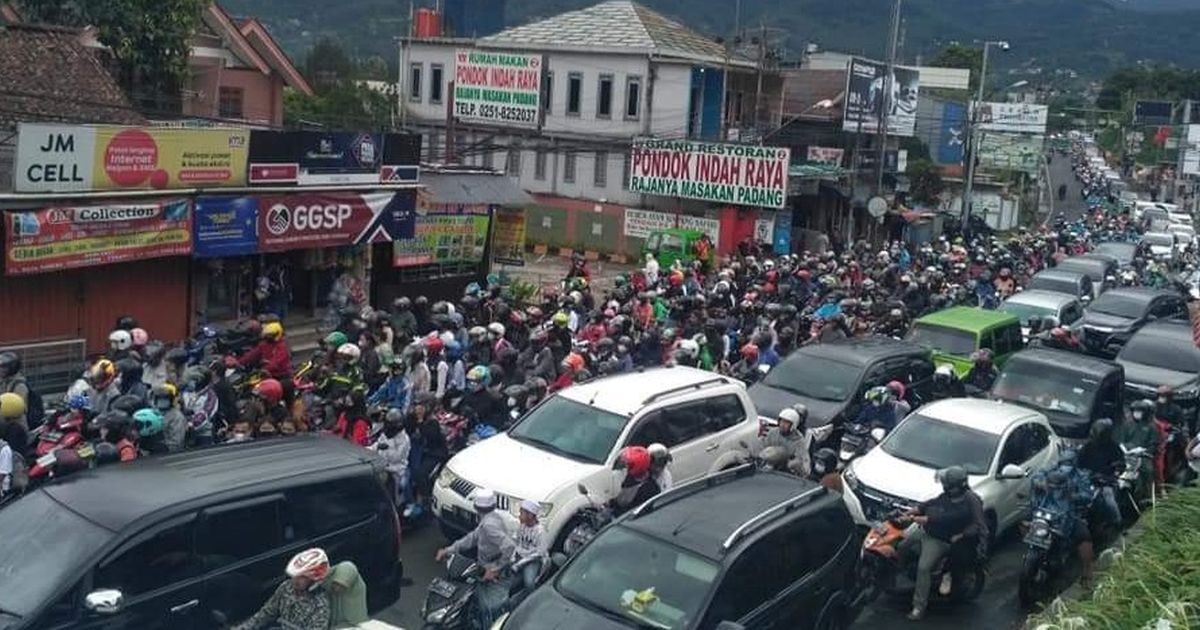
{"x":446,"y":478}
{"x":547,"y":508}
{"x":850,"y":478}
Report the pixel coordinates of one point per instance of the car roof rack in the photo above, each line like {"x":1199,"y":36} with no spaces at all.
{"x":783,"y":507}
{"x":720,"y":380}
{"x":692,"y":487}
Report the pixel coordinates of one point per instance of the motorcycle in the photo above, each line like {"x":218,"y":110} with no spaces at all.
{"x":1175,"y":468}
{"x":64,"y":429}
{"x":1048,"y":550}
{"x":883,"y":570}
{"x":587,"y":523}
{"x":857,"y":439}
{"x":1134,"y":488}
{"x":448,"y":600}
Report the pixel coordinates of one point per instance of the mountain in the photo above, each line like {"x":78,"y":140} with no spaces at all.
{"x":1092,"y":36}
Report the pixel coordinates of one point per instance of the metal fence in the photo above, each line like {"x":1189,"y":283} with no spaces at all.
{"x":50,"y":367}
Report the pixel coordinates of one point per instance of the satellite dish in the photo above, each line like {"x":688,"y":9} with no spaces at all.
{"x":877,"y":207}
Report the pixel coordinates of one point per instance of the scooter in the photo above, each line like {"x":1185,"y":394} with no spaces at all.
{"x":882,"y":570}
{"x":63,"y":430}
{"x":448,"y":600}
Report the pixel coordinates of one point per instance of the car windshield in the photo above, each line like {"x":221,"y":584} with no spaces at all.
{"x":621,"y":562}
{"x":1119,"y":305}
{"x":570,"y":429}
{"x":1037,"y":385}
{"x":1057,"y":285}
{"x":1121,"y":251}
{"x":938,"y":444}
{"x":1160,"y":239}
{"x":948,"y":340}
{"x":1025,"y":311}
{"x":820,"y":379}
{"x":44,"y":544}
{"x":1093,"y":270}
{"x":1176,"y":355}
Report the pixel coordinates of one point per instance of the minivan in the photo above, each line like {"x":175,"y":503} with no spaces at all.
{"x":954,"y":334}
{"x":168,"y":542}
{"x":1068,"y":282}
{"x":1095,"y":266}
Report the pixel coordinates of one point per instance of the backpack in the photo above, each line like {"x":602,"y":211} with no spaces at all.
{"x":20,"y":471}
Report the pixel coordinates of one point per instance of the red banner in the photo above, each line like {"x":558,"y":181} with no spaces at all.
{"x":328,"y":220}
{"x":69,"y":237}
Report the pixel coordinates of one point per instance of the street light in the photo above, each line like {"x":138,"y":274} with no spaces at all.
{"x":969,"y":187}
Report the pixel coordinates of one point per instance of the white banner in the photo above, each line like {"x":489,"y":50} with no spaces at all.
{"x":826,"y":155}
{"x":1013,"y":117}
{"x":497,"y":88}
{"x":640,"y":223}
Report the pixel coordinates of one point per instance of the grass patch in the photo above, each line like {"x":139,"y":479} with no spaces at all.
{"x":1153,"y":583}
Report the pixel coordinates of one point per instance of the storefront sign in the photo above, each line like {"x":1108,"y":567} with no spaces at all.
{"x":508,"y":237}
{"x":640,"y":223}
{"x":77,"y":158}
{"x":225,"y":226}
{"x":746,"y":175}
{"x":340,"y":158}
{"x":1012,"y":117}
{"x":307,"y":221}
{"x":826,"y":155}
{"x":497,"y":88}
{"x":865,"y":98}
{"x":443,"y":239}
{"x":313,"y":158}
{"x":69,"y":237}
{"x":1011,"y":152}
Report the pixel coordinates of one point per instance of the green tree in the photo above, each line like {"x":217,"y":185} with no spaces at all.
{"x":148,"y":40}
{"x":326,"y":65}
{"x":925,"y":180}
{"x":960,"y":56}
{"x":352,"y":106}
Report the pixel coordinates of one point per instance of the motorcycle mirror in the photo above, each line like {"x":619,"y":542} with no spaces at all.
{"x":105,"y":601}
{"x":1011,"y":471}
{"x":582,"y":489}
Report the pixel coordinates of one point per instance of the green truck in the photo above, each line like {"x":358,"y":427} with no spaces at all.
{"x":952,"y":334}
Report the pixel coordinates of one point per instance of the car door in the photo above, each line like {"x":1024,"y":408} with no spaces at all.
{"x":1026,"y":446}
{"x":245,"y":550}
{"x":160,"y":577}
{"x":682,"y":428}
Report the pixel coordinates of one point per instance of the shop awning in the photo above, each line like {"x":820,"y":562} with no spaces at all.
{"x":469,"y":189}
{"x":816,"y":170}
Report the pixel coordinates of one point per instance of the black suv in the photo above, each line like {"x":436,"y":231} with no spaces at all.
{"x":1111,"y":320}
{"x":1163,"y":353}
{"x":182,"y":536}
{"x":737,"y":549}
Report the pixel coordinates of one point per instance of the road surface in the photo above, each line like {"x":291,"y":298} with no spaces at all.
{"x":1060,"y":173}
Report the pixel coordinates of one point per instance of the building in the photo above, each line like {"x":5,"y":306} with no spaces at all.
{"x":613,"y":71}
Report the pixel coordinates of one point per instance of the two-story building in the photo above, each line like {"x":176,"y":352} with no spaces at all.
{"x":613,"y":71}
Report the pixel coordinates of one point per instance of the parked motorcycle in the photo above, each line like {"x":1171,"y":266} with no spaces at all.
{"x":883,"y":570}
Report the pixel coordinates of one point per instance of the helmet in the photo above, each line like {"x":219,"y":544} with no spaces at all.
{"x":635,"y":460}
{"x":749,"y":352}
{"x":140,"y":337}
{"x":335,"y":339}
{"x":574,"y":361}
{"x":897,"y":389}
{"x":802,"y":413}
{"x":824,"y":461}
{"x":878,"y":395}
{"x":982,"y":356}
{"x":120,"y":339}
{"x":102,"y":373}
{"x":126,"y":403}
{"x":944,"y":373}
{"x":167,"y":391}
{"x":774,"y":456}
{"x":310,"y":563}
{"x":480,"y":374}
{"x":1142,"y":410}
{"x":789,"y":415}
{"x":1101,"y":429}
{"x":272,"y":330}
{"x":77,"y":401}
{"x":11,"y":405}
{"x":117,"y":422}
{"x":198,"y":377}
{"x":688,"y":348}
{"x":125,"y":322}
{"x":659,"y":455}
{"x":401,"y":304}
{"x":10,"y":363}
{"x":149,"y":422}
{"x":496,"y":328}
{"x":537,"y":386}
{"x":269,"y":390}
{"x":128,"y":367}
{"x":954,"y":479}
{"x":560,"y":319}
{"x":350,"y":351}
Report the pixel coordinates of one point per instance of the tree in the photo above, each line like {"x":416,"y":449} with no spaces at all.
{"x":148,"y":40}
{"x":352,"y":106}
{"x":925,"y":181}
{"x":959,"y":56}
{"x":326,"y":65}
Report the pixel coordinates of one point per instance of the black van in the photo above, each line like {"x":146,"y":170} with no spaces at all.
{"x":164,"y":542}
{"x":1072,"y":389}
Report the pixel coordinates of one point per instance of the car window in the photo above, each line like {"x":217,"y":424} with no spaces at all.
{"x":1166,"y":308}
{"x":724,"y":412}
{"x":1010,"y":337}
{"x":676,"y":424}
{"x":241,"y":531}
{"x":163,"y":556}
{"x":1022,"y":444}
{"x":1086,"y":285}
{"x":1039,"y":438}
{"x":1070,"y":314}
{"x":671,"y":242}
{"x":919,"y":370}
{"x":758,"y":575}
{"x":651,"y":429}
{"x":986,"y":341}
{"x":320,"y":509}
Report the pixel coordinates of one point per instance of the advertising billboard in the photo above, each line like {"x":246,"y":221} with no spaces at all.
{"x":443,"y":239}
{"x":225,"y":226}
{"x":865,"y":99}
{"x":508,"y":237}
{"x":305,"y":221}
{"x":826,"y":155}
{"x":497,"y":88}
{"x":1012,"y":117}
{"x":1011,"y":152}
{"x":745,"y":175}
{"x":70,"y":237}
{"x":79,"y":158}
{"x":640,"y":223}
{"x":315,"y":158}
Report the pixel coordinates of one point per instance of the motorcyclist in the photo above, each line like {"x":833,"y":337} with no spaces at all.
{"x":154,"y":370}
{"x":1167,"y":410}
{"x":299,"y":601}
{"x":346,"y":376}
{"x":944,"y":521}
{"x":13,"y":428}
{"x":494,"y":546}
{"x":946,"y":383}
{"x":487,"y":404}
{"x":394,"y":445}
{"x":403,"y":320}
{"x":164,"y":398}
{"x":396,"y":391}
{"x":267,"y":403}
{"x":747,"y":369}
{"x":1139,"y":432}
{"x":878,"y":409}
{"x":11,"y":379}
{"x":825,"y":469}
{"x":148,"y":427}
{"x":1102,"y":458}
{"x":660,"y":462}
{"x":130,"y":381}
{"x":271,"y":354}
{"x":639,"y":485}
{"x":116,"y":428}
{"x":982,"y":375}
{"x":790,"y":434}
{"x":120,"y":345}
{"x":202,"y":406}
{"x":352,"y":423}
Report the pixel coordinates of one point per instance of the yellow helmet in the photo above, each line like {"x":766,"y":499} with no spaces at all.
{"x":272,"y":330}
{"x":11,"y":405}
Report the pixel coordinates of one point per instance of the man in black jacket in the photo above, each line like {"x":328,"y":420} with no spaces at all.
{"x":944,"y":520}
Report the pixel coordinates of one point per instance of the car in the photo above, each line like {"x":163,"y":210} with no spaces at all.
{"x":1112,"y":319}
{"x":575,"y":436}
{"x":1163,"y":353}
{"x":1071,"y":283}
{"x":954,"y":334}
{"x":1184,"y":235}
{"x":1029,"y":304}
{"x":1073,"y":390}
{"x":1150,"y":215}
{"x":162,"y":542}
{"x":1161,"y":245}
{"x":999,"y":444}
{"x":1124,"y":253}
{"x":739,"y":549}
{"x":1098,"y":267}
{"x":831,"y":378}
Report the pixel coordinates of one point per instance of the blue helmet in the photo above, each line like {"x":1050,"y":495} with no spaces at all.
{"x":78,"y":402}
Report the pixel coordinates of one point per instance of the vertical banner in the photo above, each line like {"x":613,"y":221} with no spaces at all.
{"x":783,"y":232}
{"x":865,"y":82}
{"x":508,"y":237}
{"x":950,"y":142}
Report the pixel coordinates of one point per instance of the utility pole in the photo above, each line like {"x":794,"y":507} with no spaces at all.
{"x":762,"y":60}
{"x":972,"y":145}
{"x":886,"y":110}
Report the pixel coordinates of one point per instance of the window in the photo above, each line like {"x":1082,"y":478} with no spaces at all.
{"x":322,"y":509}
{"x":414,"y":82}
{"x":548,"y":93}
{"x":626,"y":169}
{"x":633,"y":97}
{"x":771,"y":565}
{"x":725,"y":412}
{"x":600,"y":169}
{"x":512,"y":166}
{"x":163,"y":558}
{"x":229,"y":102}
{"x":685,"y":422}
{"x":435,"y":83}
{"x":569,"y":168}
{"x":1023,"y":443}
{"x":258,"y":531}
{"x":539,"y":165}
{"x":604,"y":97}
{"x":489,"y":159}
{"x":574,"y":93}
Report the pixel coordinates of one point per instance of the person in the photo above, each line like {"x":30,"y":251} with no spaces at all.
{"x":946,"y":383}
{"x":982,"y":373}
{"x":6,"y":468}
{"x":1101,"y":457}
{"x":298,"y":602}
{"x":660,"y":460}
{"x":396,"y":391}
{"x":531,"y":548}
{"x":428,"y":450}
{"x":347,"y":596}
{"x":393,"y":445}
{"x":825,"y":469}
{"x":165,"y":399}
{"x":154,"y":371}
{"x":352,"y":423}
{"x":943,"y":521}
{"x":1070,"y":488}
{"x":790,"y":434}
{"x":116,"y":428}
{"x":638,"y":486}
{"x":202,"y":405}
{"x":11,"y":379}
{"x":120,"y":345}
{"x":271,"y":353}
{"x":651,"y":269}
{"x":148,"y":427}
{"x":493,"y":547}
{"x":12,"y":421}
{"x":1140,"y":432}
{"x":878,"y":409}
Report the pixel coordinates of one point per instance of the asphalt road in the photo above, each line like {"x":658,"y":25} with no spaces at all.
{"x":1060,"y":173}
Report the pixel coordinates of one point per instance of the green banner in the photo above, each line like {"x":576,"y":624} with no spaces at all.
{"x":441,"y":239}
{"x":1011,"y":152}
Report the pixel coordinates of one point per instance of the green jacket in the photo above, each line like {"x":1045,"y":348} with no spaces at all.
{"x":349,"y":606}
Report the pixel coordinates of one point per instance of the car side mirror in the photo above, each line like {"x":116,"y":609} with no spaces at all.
{"x":1011,"y":471}
{"x":105,"y":601}
{"x":582,"y":489}
{"x":730,"y":625}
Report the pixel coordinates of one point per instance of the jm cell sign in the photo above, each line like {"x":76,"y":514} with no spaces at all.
{"x":737,"y":174}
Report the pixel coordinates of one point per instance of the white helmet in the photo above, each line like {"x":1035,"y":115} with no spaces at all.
{"x":496,"y":328}
{"x":768,"y":264}
{"x":311,"y":563}
{"x":659,"y":453}
{"x":689,"y":348}
{"x":350,"y":351}
{"x":120,"y":339}
{"x":790,"y":415}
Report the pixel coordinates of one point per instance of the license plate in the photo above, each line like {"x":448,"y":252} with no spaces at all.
{"x":442,"y":588}
{"x":52,"y":436}
{"x":47,"y":460}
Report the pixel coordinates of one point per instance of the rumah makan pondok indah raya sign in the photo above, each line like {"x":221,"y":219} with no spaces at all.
{"x":744,"y":175}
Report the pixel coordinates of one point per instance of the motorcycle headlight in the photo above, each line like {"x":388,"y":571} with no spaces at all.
{"x":1041,"y":531}
{"x":446,"y":478}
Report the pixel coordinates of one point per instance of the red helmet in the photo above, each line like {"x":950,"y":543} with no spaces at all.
{"x":434,"y":345}
{"x":676,"y":278}
{"x":750,"y":352}
{"x":803,"y":274}
{"x":635,"y":460}
{"x":269,"y":390}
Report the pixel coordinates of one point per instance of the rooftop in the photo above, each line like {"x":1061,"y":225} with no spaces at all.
{"x":861,"y":350}
{"x":1063,"y":360}
{"x":991,"y":416}
{"x":1040,"y":297}
{"x":626,"y":393}
{"x":967,"y":318}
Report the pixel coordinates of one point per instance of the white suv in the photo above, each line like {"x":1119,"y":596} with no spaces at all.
{"x":574,"y":437}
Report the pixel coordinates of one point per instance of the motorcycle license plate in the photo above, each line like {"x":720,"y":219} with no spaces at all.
{"x":52,"y":436}
{"x":47,"y":460}
{"x":442,"y":588}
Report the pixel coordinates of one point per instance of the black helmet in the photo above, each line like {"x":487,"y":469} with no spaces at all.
{"x":117,"y":423}
{"x":10,"y":363}
{"x":127,"y":404}
{"x":1142,"y":410}
{"x":516,"y":393}
{"x":954,"y":479}
{"x":824,"y":461}
{"x":129,"y":366}
{"x":1102,"y":429}
{"x":421,"y":301}
{"x":126,"y":323}
{"x":106,"y":454}
{"x":198,"y":377}
{"x":154,"y":352}
{"x":176,"y":356}
{"x":536,"y":386}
